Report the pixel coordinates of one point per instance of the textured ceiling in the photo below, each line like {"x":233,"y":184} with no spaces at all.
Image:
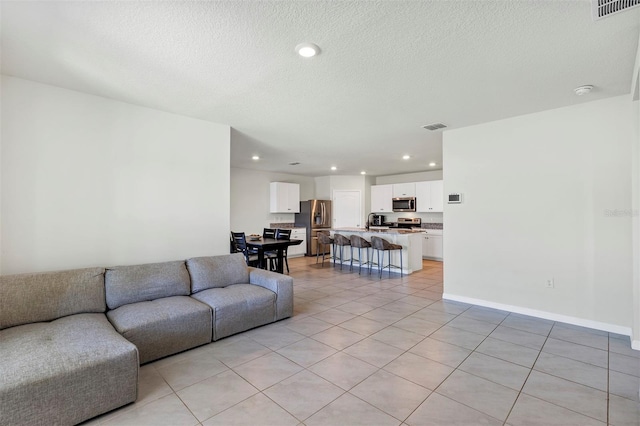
{"x":386,"y":68}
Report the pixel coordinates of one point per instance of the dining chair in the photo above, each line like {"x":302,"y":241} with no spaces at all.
{"x":284,"y":234}
{"x":271,"y":255}
{"x":239,"y":241}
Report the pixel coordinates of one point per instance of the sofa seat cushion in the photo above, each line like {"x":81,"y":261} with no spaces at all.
{"x":65,"y":371}
{"x":238,"y":307}
{"x":164,"y":326}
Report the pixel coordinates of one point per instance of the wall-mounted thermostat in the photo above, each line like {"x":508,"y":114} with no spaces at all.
{"x":455,"y":199}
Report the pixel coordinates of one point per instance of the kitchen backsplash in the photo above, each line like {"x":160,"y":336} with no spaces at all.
{"x":431,"y":225}
{"x":282,"y":225}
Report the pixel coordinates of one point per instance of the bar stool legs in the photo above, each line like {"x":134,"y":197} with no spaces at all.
{"x":324,"y":240}
{"x":360,"y":243}
{"x":340,"y":241}
{"x":382,"y":245}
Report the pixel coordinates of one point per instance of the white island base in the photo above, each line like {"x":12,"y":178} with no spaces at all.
{"x":410,"y":241}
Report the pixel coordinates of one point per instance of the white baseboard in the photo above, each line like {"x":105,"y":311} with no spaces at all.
{"x":611,"y":328}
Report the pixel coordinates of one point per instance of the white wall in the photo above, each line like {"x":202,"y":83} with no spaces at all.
{"x":88,"y":181}
{"x":546,"y":195}
{"x":250,"y":198}
{"x":635,"y":224}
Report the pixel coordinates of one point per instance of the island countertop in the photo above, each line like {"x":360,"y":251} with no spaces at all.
{"x":377,"y":230}
{"x":409,"y":239}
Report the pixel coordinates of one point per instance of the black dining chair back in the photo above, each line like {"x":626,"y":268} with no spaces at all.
{"x":284,"y":234}
{"x":269,"y":233}
{"x":239,"y":241}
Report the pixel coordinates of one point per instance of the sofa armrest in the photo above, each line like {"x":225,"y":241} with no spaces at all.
{"x":281,"y":285}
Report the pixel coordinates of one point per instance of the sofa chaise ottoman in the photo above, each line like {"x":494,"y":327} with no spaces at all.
{"x":61,"y":361}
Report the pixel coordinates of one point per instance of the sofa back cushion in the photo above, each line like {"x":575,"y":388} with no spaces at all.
{"x":140,"y":283}
{"x":29,"y":298}
{"x":217,"y":271}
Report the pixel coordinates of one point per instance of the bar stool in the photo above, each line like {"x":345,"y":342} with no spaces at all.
{"x":341,"y":241}
{"x":383,"y":245}
{"x":324,"y":240}
{"x":359,"y":243}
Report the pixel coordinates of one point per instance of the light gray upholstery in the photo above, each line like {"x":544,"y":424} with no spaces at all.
{"x":281,"y":285}
{"x":238,"y":307}
{"x":164,"y":326}
{"x":217,"y":271}
{"x":139,"y":283}
{"x":28,"y":298}
{"x":79,"y":366}
{"x":64,"y":372}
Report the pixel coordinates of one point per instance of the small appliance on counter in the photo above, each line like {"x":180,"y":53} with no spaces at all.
{"x":377,"y":220}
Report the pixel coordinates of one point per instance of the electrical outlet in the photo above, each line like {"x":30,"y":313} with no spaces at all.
{"x":550,"y":283}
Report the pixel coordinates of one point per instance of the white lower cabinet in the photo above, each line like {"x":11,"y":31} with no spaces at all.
{"x":432,"y":244}
{"x":300,"y":249}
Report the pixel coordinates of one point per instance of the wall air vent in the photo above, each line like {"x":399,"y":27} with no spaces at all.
{"x":437,"y":126}
{"x":603,"y":8}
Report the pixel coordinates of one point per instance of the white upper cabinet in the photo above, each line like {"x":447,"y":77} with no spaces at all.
{"x":429,"y":196}
{"x":381,"y":196}
{"x":404,"y":190}
{"x":285,"y":197}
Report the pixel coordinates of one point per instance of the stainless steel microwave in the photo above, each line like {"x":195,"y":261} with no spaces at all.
{"x":404,"y":204}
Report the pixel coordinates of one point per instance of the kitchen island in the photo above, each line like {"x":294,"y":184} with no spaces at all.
{"x":410,"y":240}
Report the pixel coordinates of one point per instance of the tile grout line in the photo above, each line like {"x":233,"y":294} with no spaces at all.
{"x":529,"y":374}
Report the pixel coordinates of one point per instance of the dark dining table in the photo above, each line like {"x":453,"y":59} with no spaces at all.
{"x":271,"y":244}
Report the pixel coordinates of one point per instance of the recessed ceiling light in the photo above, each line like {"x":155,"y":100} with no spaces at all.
{"x":583,"y":90}
{"x":334,"y":168}
{"x":432,"y":164}
{"x":255,"y":157}
{"x":307,"y":50}
{"x":406,"y":157}
{"x":363,"y":172}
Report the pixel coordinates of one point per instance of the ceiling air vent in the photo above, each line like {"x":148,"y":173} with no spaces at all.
{"x":437,"y":126}
{"x":295,"y":163}
{"x":603,"y":8}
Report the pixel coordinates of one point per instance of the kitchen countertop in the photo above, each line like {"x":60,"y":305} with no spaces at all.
{"x":381,"y":230}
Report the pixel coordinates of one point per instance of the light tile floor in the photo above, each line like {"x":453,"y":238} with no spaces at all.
{"x":366,"y":351}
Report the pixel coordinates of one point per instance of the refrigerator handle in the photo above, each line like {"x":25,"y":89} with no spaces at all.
{"x":322,"y":213}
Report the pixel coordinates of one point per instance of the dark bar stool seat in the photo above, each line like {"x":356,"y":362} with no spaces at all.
{"x":383,"y":245}
{"x":324,"y":240}
{"x":341,"y":241}
{"x":359,"y":243}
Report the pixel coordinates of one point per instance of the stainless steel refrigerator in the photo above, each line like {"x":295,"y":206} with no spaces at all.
{"x":315,"y":215}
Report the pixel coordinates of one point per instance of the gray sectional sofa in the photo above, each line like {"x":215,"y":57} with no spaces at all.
{"x":71,"y":342}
